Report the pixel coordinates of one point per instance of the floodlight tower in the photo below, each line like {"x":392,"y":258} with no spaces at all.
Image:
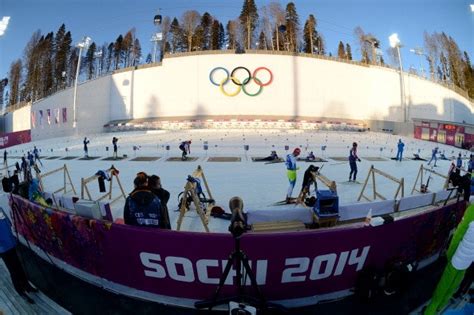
{"x":83,"y":44}
{"x":158,"y":35}
{"x":395,"y":43}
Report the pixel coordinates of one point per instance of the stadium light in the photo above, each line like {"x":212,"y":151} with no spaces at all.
{"x":395,"y":43}
{"x":158,"y":36}
{"x":83,"y":44}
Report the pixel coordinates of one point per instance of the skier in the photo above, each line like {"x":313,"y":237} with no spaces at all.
{"x":36,"y":155}
{"x":291,"y":172}
{"x":185,"y":146}
{"x":272,"y":157}
{"x":400,"y":147}
{"x":352,"y":162}
{"x":433,"y":156}
{"x":5,"y":157}
{"x":114,"y":143}
{"x":458,"y":164}
{"x":86,"y":151}
{"x":311,"y":156}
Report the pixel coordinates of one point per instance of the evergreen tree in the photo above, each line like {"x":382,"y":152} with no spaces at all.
{"x":341,"y":53}
{"x":165,"y":31}
{"x":118,"y":52}
{"x":215,"y":35}
{"x":232,"y":34}
{"x":45,"y":75}
{"x":127,"y":47}
{"x":444,"y":67}
{"x":248,"y":20}
{"x":3,"y":85}
{"x":221,"y":41}
{"x":110,"y":57}
{"x":31,"y":56}
{"x":177,"y":36}
{"x":136,"y":52}
{"x":468,"y":72}
{"x":15,"y":82}
{"x":292,"y":27}
{"x":72,"y":66}
{"x":309,"y":34}
{"x":262,"y":41}
{"x":62,"y":43}
{"x":197,"y":38}
{"x":348,"y":52}
{"x":206,"y":26}
{"x":320,"y":45}
{"x":89,"y":62}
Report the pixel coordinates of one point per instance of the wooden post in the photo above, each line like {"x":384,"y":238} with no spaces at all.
{"x":190,"y":188}
{"x":109,"y":194}
{"x":372,"y":171}
{"x":420,"y":173}
{"x":373,"y":182}
{"x":65,"y":179}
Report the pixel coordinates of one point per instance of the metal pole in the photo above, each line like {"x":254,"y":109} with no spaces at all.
{"x":74,"y":124}
{"x":154,"y":49}
{"x":402,"y":85}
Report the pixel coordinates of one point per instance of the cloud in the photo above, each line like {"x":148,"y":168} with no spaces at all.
{"x":4,"y":24}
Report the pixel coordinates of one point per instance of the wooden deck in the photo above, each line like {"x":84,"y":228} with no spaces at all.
{"x":11,"y":303}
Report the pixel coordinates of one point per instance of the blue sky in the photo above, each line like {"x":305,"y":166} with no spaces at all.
{"x":104,"y":20}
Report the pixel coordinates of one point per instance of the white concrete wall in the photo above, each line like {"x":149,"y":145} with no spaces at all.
{"x":92,"y":110}
{"x":18,"y":120}
{"x":301,"y":86}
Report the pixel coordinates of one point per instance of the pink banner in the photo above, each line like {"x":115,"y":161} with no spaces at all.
{"x":64,"y":115}
{"x":33,"y":119}
{"x":48,"y":111}
{"x":56,"y":116}
{"x":14,"y":138}
{"x":188,"y":265}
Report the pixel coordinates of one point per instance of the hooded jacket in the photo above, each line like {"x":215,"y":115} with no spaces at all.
{"x":142,"y":208}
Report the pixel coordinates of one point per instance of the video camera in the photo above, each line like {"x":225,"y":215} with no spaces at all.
{"x":238,"y":222}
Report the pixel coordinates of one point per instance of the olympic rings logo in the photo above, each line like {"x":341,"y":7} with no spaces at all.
{"x":241,"y":86}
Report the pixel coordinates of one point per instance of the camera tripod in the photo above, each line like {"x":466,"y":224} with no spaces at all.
{"x":240,"y":259}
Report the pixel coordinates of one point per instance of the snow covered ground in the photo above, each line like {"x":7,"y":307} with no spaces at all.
{"x":259,"y":184}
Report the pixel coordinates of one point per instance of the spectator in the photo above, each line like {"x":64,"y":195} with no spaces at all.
{"x":154,"y":184}
{"x":11,"y":260}
{"x":142,"y":207}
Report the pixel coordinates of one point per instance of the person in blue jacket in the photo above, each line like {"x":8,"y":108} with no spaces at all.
{"x":11,"y":260}
{"x":400,"y":147}
{"x":459,"y":164}
{"x":434,"y":156}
